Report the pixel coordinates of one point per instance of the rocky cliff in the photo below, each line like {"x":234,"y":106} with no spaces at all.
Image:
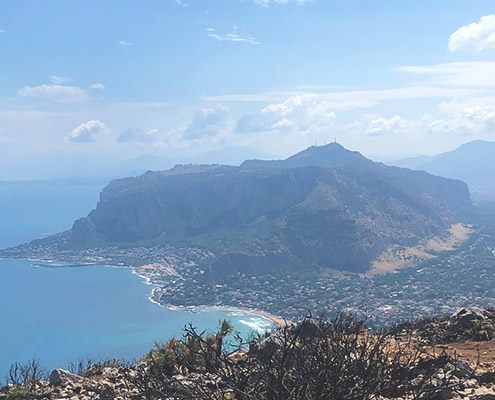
{"x":325,"y":206}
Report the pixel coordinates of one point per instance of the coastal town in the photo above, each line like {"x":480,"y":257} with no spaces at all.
{"x":181,"y":280}
{"x":408,"y":293}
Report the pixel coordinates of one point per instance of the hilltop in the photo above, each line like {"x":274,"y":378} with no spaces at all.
{"x":331,"y":156}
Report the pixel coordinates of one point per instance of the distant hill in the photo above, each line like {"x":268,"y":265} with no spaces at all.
{"x":473,"y":163}
{"x":325,"y":206}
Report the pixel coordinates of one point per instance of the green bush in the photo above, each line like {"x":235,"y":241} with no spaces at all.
{"x":191,"y":353}
{"x":18,"y":392}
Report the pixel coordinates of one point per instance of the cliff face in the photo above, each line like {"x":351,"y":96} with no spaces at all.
{"x":340,"y":211}
{"x":156,"y":204}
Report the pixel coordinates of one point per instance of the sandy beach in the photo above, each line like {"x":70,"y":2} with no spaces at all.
{"x":278,"y":321}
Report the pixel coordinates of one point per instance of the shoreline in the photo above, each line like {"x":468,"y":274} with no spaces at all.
{"x":278,"y":321}
{"x":275,"y":320}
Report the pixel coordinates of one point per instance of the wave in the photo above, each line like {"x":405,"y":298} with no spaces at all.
{"x":257,"y":324}
{"x":237,"y":314}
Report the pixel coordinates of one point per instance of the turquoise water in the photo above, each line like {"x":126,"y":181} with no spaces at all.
{"x":59,"y":315}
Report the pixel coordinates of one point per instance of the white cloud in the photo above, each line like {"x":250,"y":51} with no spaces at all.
{"x":123,"y":43}
{"x":268,"y":3}
{"x":234,"y":36}
{"x":97,"y":86}
{"x":207,"y":123}
{"x":475,"y":73}
{"x":2,"y":31}
{"x":181,"y":3}
{"x":88,"y":132}
{"x":477,"y":35}
{"x":394,"y":125}
{"x":456,"y":120}
{"x":58,"y":93}
{"x":59,"y":80}
{"x":467,"y":120}
{"x":283,"y":124}
{"x":301,"y":114}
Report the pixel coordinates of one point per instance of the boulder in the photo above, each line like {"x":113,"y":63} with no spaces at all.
{"x":308,"y":329}
{"x":265,"y":348}
{"x":465,"y":316}
{"x":61,"y":376}
{"x":463,"y":369}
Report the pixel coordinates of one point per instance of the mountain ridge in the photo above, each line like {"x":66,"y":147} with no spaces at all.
{"x":325,"y":206}
{"x":472,"y":163}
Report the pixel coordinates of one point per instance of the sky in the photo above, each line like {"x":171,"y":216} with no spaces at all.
{"x":87,"y":87}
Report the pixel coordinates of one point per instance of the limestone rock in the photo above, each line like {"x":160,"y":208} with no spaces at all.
{"x":61,"y":376}
{"x":465,"y":316}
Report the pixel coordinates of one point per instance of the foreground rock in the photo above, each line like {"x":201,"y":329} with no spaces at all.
{"x":63,"y":384}
{"x":61,"y":376}
{"x":314,"y":359}
{"x":113,"y":384}
{"x":477,"y":324}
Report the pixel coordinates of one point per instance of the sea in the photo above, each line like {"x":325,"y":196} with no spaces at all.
{"x":61,"y":315}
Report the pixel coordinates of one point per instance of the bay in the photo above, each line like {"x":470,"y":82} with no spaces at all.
{"x":60,"y":315}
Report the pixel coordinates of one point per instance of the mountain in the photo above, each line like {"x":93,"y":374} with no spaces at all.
{"x":472,"y":163}
{"x":330,"y":156}
{"x":325,"y":206}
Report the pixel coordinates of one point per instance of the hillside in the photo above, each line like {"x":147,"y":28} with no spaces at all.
{"x":324,"y":206}
{"x":472,"y":163}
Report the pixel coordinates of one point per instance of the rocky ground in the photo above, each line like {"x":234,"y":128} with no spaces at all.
{"x":112,"y":385}
{"x":62,"y":384}
{"x":466,"y":338}
{"x":475,"y":323}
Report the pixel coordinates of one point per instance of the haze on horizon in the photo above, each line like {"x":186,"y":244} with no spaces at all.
{"x":87,"y":86}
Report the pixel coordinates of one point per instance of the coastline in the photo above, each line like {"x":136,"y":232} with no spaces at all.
{"x":276,"y":321}
{"x":112,"y":324}
{"x":148,"y":280}
{"x":44,"y":263}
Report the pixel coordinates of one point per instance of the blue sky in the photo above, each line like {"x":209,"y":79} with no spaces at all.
{"x":86,"y":81}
